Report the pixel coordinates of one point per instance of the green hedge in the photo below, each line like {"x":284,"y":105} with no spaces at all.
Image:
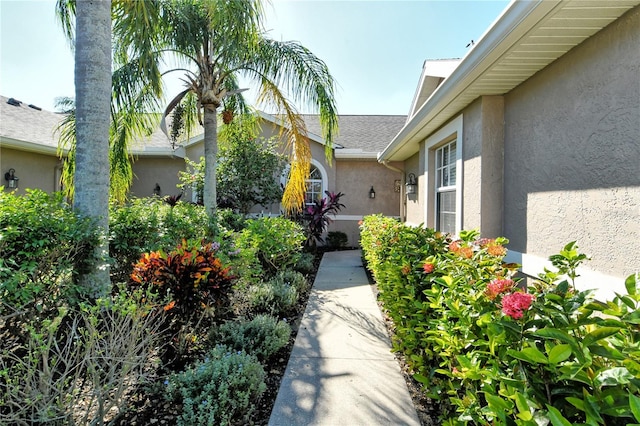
{"x":491,"y":350}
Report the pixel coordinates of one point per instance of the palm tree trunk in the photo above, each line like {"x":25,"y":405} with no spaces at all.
{"x":210,"y":158}
{"x":93,"y":99}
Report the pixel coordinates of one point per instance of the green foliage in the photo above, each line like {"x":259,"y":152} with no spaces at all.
{"x":44,"y":244}
{"x":220,"y":390}
{"x":337,"y":239}
{"x":262,"y":337}
{"x":275,"y":297}
{"x":492,"y":351}
{"x":306,"y":263}
{"x":148,"y":224}
{"x":191,"y":275}
{"x":249,"y":167}
{"x":275,"y":242}
{"x":193,"y":178}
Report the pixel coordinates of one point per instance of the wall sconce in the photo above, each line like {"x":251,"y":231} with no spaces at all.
{"x":411,"y":185}
{"x":372,"y":193}
{"x":11,"y":178}
{"x":157,"y":190}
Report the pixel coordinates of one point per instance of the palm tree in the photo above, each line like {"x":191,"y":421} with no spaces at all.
{"x":215,"y":42}
{"x":131,"y":100}
{"x":93,"y":95}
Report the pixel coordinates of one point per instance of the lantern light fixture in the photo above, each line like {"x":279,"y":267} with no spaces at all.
{"x":372,"y":193}
{"x":412,"y":184}
{"x":11,"y":178}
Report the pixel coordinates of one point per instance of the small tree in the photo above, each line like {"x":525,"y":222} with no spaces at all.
{"x":248,"y":168}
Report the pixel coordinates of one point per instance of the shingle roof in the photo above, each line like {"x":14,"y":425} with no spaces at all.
{"x":370,"y":133}
{"x":26,"y":124}
{"x":21,"y":123}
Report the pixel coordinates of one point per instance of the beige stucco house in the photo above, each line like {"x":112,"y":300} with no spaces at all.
{"x":28,"y":145}
{"x":535,"y":135}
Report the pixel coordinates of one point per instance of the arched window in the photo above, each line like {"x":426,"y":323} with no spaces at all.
{"x":315,"y":186}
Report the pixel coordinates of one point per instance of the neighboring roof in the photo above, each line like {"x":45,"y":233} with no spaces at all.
{"x":360,"y":136}
{"x":434,"y":71}
{"x":526,"y":37}
{"x":28,"y":128}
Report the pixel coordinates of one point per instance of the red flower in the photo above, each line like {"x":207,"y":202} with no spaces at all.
{"x":428,"y":267}
{"x":497,"y":287}
{"x":515,"y":304}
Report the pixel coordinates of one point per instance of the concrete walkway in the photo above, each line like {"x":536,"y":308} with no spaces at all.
{"x":341,"y":371}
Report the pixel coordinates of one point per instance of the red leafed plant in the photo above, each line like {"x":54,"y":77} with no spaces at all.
{"x":191,"y":275}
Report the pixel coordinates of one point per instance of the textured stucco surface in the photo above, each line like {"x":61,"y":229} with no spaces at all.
{"x":572,"y":153}
{"x":163,"y":171}
{"x":33,"y":170}
{"x":416,"y":202}
{"x":472,"y":170}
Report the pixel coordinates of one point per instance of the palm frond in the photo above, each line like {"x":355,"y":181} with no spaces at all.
{"x":301,"y":75}
{"x":294,"y":131}
{"x":66,"y":14}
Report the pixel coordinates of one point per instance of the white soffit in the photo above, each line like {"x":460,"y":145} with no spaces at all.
{"x":528,"y":36}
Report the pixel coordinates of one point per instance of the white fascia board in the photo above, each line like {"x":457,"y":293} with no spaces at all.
{"x":356,"y":154}
{"x":515,"y":21}
{"x":35,"y":147}
{"x":159,"y":152}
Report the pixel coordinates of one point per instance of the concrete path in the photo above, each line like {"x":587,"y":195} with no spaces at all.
{"x":341,"y":371}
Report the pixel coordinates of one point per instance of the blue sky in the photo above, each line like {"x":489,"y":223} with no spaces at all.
{"x":374,"y":49}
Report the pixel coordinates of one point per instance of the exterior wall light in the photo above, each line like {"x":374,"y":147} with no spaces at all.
{"x":157,"y":190}
{"x":11,"y":178}
{"x":412,"y":184}
{"x":372,"y":193}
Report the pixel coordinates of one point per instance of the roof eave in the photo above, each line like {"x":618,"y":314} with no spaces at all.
{"x":34,"y":147}
{"x":509,"y":27}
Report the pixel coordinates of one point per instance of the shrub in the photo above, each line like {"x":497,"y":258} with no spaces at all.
{"x":262,"y":337}
{"x":43,"y":245}
{"x":276,"y":242}
{"x":78,"y":367}
{"x":317,"y":216}
{"x":306,"y":263}
{"x":274,"y":297}
{"x":220,"y":390}
{"x":191,"y":275}
{"x":149,"y":224}
{"x":337,"y":239}
{"x":490,"y":350}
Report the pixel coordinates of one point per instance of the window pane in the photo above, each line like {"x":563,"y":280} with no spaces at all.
{"x":447,"y":212}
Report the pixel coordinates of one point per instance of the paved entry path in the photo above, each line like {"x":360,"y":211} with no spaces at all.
{"x":341,"y":371}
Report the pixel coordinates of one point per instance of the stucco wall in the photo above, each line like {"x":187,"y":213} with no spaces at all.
{"x":355,"y":179}
{"x":164,"y":171}
{"x":416,"y":202}
{"x":572,"y":153}
{"x":472,"y":169}
{"x":34,"y":170}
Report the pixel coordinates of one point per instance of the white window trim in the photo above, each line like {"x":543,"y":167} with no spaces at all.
{"x":321,"y":169}
{"x":451,"y":131}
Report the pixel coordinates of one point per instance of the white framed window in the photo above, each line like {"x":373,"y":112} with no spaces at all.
{"x":443,"y":178}
{"x":315,"y":186}
{"x":445,"y":188}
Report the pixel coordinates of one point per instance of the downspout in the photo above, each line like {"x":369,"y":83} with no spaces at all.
{"x":403,"y":198}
